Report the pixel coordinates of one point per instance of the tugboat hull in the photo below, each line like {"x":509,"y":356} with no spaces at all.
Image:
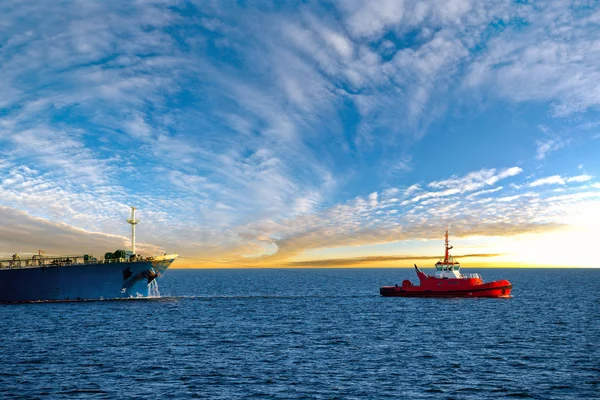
{"x":492,"y":289}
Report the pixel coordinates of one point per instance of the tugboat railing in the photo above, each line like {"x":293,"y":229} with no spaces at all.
{"x":471,"y":276}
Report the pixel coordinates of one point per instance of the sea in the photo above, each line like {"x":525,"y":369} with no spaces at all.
{"x":310,"y":334}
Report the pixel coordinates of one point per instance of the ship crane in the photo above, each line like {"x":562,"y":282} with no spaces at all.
{"x":133,"y":223}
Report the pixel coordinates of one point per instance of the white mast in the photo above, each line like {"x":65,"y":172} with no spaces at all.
{"x":133,"y":222}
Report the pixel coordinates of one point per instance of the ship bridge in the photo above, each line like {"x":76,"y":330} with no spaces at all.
{"x":448,"y":267}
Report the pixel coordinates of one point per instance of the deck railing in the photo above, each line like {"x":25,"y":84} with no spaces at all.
{"x":471,"y":276}
{"x":58,"y":261}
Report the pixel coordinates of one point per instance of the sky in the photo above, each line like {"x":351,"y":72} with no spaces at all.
{"x":298,"y":134}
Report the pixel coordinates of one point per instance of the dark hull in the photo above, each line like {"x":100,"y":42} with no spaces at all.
{"x":80,"y":281}
{"x":486,"y":290}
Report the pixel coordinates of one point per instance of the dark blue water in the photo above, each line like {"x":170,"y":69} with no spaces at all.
{"x":320,"y":333}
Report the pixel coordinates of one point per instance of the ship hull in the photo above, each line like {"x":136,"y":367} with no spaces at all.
{"x":492,"y":289}
{"x":78,"y":282}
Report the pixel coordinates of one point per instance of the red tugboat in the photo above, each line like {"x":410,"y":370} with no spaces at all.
{"x":448,"y":282}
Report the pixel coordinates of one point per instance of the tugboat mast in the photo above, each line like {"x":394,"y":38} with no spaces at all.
{"x":133,"y":223}
{"x":447,"y":247}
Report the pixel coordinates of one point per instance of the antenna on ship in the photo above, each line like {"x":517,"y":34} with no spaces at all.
{"x":133,"y":223}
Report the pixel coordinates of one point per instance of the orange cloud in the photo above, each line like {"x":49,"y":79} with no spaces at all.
{"x":337,"y":262}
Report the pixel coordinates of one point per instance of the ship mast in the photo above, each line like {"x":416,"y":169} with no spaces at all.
{"x":133,"y":223}
{"x":447,"y":247}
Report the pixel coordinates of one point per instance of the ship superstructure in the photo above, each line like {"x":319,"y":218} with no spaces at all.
{"x":448,"y":267}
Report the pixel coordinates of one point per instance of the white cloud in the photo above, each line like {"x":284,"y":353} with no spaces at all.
{"x":476,"y":180}
{"x":487,"y":191}
{"x":559,"y":180}
{"x":373,"y":199}
{"x":373,"y":18}
{"x":580,"y":178}
{"x":137,"y":127}
{"x":411,"y":189}
{"x":548,"y":146}
{"x":550,"y":180}
{"x":552,"y":56}
{"x":507,"y":199}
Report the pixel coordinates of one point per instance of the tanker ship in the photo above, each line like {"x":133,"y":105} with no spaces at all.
{"x":118,"y":275}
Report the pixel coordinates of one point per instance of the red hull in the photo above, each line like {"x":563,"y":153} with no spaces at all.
{"x":492,"y":289}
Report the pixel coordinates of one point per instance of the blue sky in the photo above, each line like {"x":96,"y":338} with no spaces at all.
{"x":250,"y":133}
